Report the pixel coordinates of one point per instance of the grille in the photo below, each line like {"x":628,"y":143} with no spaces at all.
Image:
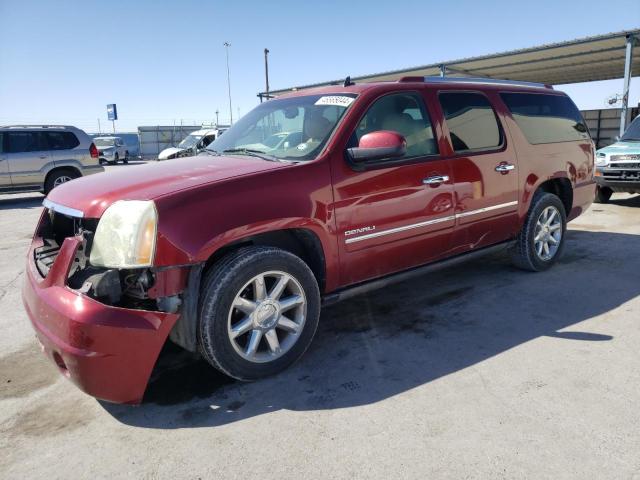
{"x":620,"y":158}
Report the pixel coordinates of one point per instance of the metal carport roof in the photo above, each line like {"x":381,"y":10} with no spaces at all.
{"x":587,"y":59}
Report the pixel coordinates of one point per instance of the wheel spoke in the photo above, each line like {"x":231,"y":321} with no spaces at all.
{"x":241,"y":327}
{"x":254,"y":341}
{"x":545,"y":247}
{"x":279,"y":287}
{"x":553,"y":240}
{"x":244,"y":305}
{"x":272,"y":340}
{"x":539,"y":248}
{"x":290,"y":302}
{"x":552,"y":216}
{"x":538,"y":236}
{"x":288,"y":325}
{"x":259,"y":289}
{"x":555,"y":226}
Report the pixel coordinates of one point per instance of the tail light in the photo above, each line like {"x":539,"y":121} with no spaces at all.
{"x":93,"y":151}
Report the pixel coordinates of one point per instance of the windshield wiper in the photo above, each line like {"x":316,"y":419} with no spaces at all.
{"x":252,"y":153}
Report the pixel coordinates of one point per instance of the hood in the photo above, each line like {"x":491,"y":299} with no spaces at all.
{"x":621,"y":148}
{"x":167,"y":152}
{"x":93,"y":194}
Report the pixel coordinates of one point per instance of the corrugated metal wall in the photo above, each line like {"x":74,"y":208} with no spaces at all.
{"x":604,"y":124}
{"x":155,"y":139}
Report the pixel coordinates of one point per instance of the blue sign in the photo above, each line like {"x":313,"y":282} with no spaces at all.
{"x":112,"y":112}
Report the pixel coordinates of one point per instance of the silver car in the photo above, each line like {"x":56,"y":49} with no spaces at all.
{"x":39,"y":158}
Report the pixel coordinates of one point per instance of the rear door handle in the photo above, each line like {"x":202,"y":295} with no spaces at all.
{"x":436,"y":180}
{"x":505,"y":167}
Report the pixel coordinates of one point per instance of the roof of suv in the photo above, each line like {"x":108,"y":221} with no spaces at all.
{"x":31,"y":127}
{"x":436,"y":82}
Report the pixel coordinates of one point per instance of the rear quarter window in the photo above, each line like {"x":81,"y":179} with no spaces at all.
{"x":546,"y":118}
{"x":62,"y":140}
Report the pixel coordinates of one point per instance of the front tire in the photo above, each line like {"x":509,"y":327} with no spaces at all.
{"x":603,"y":194}
{"x":126,"y":157}
{"x":541,"y":241}
{"x":116,"y":157}
{"x":259,"y":311}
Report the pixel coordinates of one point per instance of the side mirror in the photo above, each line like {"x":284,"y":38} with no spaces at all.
{"x":378,"y":145}
{"x":617,"y":138}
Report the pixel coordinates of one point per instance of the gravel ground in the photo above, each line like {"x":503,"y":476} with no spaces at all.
{"x":480,"y":371}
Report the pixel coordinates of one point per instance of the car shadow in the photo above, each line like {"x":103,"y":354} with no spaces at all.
{"x":375,"y":346}
{"x":633,"y":201}
{"x":24,"y":201}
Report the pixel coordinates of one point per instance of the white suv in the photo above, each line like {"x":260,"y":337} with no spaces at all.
{"x":39,"y":158}
{"x":111,"y":149}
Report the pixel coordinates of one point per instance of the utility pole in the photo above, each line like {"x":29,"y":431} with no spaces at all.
{"x":266,"y":70}
{"x":217,"y":120}
{"x":99,"y":130}
{"x":226,"y":46}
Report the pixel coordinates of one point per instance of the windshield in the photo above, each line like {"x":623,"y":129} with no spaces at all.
{"x":190,"y":141}
{"x":633,"y":132}
{"x":104,"y":142}
{"x":293,"y":128}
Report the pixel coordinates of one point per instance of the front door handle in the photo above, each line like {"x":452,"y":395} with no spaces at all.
{"x":505,"y":168}
{"x":436,"y":180}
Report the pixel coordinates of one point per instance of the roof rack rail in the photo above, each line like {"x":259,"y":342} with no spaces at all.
{"x":493,"y":81}
{"x":36,"y":126}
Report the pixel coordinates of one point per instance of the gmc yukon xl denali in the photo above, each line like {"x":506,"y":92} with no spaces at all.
{"x":232,"y":253}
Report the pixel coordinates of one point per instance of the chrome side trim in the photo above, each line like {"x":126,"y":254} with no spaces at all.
{"x":399,"y":229}
{"x":487,"y":209}
{"x":71,"y":212}
{"x":404,"y":228}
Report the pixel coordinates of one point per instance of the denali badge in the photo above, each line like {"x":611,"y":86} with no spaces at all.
{"x":359,"y":230}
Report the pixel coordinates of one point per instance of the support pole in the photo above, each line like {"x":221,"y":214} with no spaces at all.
{"x":266,"y":70}
{"x":226,"y":46}
{"x":443,"y":70}
{"x":628,"y":59}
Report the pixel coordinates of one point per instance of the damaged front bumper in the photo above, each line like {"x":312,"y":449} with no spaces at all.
{"x":107,"y":351}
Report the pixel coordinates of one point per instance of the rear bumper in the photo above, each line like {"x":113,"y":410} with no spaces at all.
{"x":108,"y":352}
{"x":91,"y":169}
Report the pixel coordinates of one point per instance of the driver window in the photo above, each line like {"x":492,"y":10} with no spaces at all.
{"x":406,"y":114}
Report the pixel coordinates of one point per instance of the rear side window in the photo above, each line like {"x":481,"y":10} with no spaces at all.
{"x":62,"y":140}
{"x":471,"y":120}
{"x":18,"y":142}
{"x":546,"y":118}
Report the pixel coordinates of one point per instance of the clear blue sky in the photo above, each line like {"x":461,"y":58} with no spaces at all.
{"x":63,"y":61}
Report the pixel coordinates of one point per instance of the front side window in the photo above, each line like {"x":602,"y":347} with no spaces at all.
{"x":405,"y":114}
{"x":546,"y":118}
{"x":26,"y":142}
{"x":471,"y":120}
{"x":295,"y":128}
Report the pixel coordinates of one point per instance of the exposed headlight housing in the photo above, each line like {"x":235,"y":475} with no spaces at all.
{"x":601,"y":159}
{"x":126,"y":235}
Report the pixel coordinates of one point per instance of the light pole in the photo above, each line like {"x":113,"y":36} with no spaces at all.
{"x":217,"y":121}
{"x":266,"y":70}
{"x":226,"y":46}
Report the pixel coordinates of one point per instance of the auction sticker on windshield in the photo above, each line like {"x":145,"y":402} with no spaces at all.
{"x":337,"y":100}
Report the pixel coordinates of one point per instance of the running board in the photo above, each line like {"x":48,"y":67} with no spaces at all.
{"x":377,"y":283}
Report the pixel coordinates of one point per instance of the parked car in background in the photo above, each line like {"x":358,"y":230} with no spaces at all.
{"x":38,"y":158}
{"x":112,"y":149}
{"x":277,"y":141}
{"x":618,"y":165}
{"x":232,"y":253}
{"x":192,"y":144}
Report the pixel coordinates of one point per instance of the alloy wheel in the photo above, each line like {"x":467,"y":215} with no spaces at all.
{"x":548,"y":233}
{"x":267,"y":317}
{"x":60,"y":180}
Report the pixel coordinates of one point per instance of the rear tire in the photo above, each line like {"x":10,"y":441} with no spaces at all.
{"x":541,"y":241}
{"x":259,"y":310}
{"x":116,"y":157}
{"x":126,"y":157}
{"x":603,"y":194}
{"x":58,"y":177}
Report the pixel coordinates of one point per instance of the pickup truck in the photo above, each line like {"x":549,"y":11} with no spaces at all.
{"x":233,"y":252}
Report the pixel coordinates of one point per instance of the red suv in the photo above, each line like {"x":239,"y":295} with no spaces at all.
{"x":308,"y":199}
